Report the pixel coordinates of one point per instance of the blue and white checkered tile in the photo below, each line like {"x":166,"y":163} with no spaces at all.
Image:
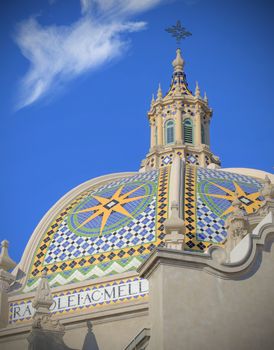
{"x":67,"y":245}
{"x":146,"y":176}
{"x":210,"y":227}
{"x":204,"y":174}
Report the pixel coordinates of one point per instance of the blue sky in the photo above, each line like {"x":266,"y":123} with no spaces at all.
{"x":76,"y":83}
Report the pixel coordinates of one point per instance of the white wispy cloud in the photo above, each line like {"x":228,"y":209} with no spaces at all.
{"x":58,"y":54}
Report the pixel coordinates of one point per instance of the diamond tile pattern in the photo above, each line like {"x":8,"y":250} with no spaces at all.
{"x":67,"y":245}
{"x":63,"y":252}
{"x":207,"y":198}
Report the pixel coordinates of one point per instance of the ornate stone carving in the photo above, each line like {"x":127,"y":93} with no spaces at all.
{"x":175,"y":229}
{"x":267,"y":206}
{"x":42,"y":303}
{"x":268,"y":190}
{"x":237,"y":226}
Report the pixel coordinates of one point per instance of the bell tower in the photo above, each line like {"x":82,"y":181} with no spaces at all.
{"x":179,"y":124}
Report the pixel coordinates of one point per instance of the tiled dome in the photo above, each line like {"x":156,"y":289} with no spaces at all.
{"x":107,"y":228}
{"x":111,"y":226}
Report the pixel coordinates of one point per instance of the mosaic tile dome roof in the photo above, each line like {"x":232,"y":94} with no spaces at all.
{"x":111,"y":226}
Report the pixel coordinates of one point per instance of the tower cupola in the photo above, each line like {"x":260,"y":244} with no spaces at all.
{"x":179,"y":123}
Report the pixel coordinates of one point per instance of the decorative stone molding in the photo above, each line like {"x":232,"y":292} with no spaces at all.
{"x":42,"y":303}
{"x":175,"y":229}
{"x":237,"y":226}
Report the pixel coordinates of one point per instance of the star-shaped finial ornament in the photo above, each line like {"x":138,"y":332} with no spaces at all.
{"x":178,"y":32}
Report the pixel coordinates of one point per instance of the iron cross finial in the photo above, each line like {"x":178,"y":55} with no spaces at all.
{"x":178,"y":32}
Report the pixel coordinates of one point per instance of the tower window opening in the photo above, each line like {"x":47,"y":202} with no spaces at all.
{"x":188,"y":131}
{"x":169,"y":131}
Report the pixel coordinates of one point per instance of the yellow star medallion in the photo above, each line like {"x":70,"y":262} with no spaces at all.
{"x":107,"y":206}
{"x":250,"y":202}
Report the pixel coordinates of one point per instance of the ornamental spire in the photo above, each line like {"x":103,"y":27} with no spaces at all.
{"x":159,"y":93}
{"x":179,"y":84}
{"x":197,"y":90}
{"x":178,"y":62}
{"x":205,"y":98}
{"x":152,"y":100}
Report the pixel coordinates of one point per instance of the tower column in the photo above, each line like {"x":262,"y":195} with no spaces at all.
{"x":178,"y":126}
{"x":197,"y":130}
{"x":159,"y":129}
{"x":152,"y":134}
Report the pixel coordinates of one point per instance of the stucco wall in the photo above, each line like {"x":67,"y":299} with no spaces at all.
{"x":112,"y":333}
{"x":115,"y":334}
{"x":203,"y":311}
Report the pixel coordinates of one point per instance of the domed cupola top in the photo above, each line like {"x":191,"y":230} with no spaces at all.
{"x":178,"y":62}
{"x":179,"y":85}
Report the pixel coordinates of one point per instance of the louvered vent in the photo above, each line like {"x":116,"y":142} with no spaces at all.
{"x":188,"y":131}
